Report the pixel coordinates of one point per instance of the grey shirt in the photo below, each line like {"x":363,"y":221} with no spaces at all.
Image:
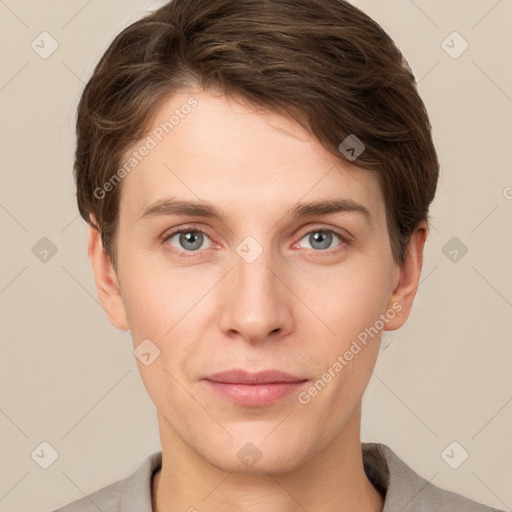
{"x":404,"y":489}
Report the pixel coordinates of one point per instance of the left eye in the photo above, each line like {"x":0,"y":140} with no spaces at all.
{"x":190,"y":240}
{"x":320,"y":239}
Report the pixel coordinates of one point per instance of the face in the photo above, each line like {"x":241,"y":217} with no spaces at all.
{"x":268,"y":284}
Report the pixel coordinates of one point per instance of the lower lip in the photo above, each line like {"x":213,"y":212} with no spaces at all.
{"x":255,"y":394}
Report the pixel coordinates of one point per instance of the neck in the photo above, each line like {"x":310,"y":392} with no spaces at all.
{"x":332,"y":480}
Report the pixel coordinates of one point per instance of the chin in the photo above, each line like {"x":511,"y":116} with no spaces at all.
{"x":256,"y":456}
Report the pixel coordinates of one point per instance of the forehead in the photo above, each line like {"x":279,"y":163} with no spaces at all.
{"x":206,"y":146}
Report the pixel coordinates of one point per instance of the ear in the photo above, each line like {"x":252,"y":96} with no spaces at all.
{"x":109,"y":291}
{"x":409,"y":272}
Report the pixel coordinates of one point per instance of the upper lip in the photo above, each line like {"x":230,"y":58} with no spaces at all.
{"x":239,"y":376}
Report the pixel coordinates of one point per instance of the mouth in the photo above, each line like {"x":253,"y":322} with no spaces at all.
{"x":254,"y":389}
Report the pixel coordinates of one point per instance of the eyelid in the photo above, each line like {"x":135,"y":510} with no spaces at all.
{"x":185,"y":228}
{"x":341,"y":233}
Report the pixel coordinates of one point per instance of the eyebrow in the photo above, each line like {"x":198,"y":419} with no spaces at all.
{"x":171,"y":206}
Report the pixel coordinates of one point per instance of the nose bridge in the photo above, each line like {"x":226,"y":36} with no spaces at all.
{"x":255,"y":303}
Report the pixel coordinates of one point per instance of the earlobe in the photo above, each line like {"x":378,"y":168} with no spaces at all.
{"x":107,"y":285}
{"x":409,"y":275}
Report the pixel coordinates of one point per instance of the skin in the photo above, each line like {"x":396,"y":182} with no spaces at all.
{"x":295,"y":308}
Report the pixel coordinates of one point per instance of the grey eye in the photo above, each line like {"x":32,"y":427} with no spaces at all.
{"x":191,"y":240}
{"x":320,"y":239}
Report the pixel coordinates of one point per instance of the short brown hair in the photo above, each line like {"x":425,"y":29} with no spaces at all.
{"x":324,"y":63}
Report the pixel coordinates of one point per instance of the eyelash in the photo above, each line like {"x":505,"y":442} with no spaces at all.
{"x":189,"y":254}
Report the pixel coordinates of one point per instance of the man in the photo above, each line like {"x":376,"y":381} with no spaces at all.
{"x":257,"y":177}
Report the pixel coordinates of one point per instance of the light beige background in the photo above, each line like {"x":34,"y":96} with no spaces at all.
{"x":70,"y":379}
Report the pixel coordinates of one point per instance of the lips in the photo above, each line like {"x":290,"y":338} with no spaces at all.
{"x":239,"y":376}
{"x":254,"y":389}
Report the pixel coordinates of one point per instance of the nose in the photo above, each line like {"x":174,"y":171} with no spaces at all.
{"x":256,"y":302}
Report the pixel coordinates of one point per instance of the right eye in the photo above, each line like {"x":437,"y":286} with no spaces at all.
{"x":187,"y":240}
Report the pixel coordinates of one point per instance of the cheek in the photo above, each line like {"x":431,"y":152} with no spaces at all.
{"x":157,"y":298}
{"x":348,"y":311}
{"x":346,"y":300}
{"x":344,"y":365}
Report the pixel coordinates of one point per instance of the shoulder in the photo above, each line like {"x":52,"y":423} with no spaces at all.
{"x":107,"y":499}
{"x":132,"y":493}
{"x":406,"y":490}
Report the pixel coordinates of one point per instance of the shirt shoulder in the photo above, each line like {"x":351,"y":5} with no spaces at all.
{"x":131,"y":494}
{"x":406,"y":490}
